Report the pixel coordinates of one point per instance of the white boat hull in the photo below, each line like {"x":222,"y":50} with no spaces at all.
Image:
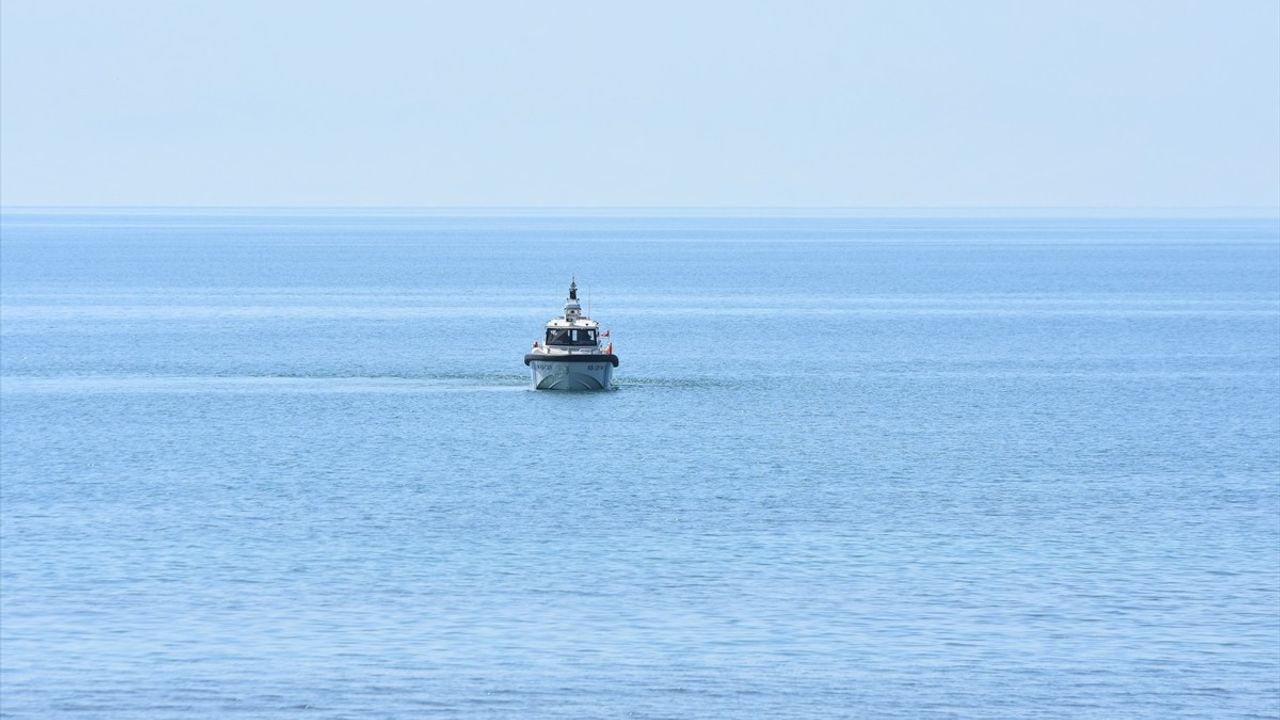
{"x":560,"y":375}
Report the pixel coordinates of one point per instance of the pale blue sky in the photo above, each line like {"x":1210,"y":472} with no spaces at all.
{"x":1074,"y":103}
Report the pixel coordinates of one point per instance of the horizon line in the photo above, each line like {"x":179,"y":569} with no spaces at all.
{"x":1222,"y":211}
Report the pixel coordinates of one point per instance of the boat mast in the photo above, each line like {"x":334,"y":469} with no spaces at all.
{"x":572,"y":310}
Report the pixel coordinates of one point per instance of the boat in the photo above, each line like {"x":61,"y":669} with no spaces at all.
{"x":569,"y":356}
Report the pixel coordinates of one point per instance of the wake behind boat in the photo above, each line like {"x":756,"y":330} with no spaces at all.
{"x":569,"y":357}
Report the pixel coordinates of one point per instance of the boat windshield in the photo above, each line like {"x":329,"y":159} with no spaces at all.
{"x":570,"y":336}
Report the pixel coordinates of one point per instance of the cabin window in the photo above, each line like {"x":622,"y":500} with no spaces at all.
{"x":571,"y":336}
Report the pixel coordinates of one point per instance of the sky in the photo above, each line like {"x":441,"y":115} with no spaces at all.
{"x":786,"y":104}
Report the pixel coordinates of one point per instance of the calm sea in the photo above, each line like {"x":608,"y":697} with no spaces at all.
{"x":286,"y":465}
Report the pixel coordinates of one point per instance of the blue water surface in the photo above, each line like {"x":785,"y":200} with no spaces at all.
{"x":284,"y":464}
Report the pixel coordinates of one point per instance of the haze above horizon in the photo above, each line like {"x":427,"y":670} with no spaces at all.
{"x":913,"y":106}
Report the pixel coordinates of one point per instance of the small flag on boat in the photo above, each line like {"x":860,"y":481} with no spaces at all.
{"x":604,"y":334}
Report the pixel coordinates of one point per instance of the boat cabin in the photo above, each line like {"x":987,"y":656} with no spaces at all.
{"x":571,"y":336}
